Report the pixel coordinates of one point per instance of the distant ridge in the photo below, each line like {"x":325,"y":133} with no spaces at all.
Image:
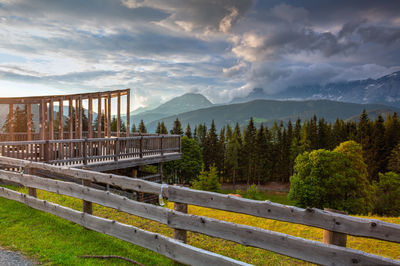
{"x":268,"y":111}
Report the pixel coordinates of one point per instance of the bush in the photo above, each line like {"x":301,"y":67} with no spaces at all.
{"x":208,"y":180}
{"x":332,"y":179}
{"x":251,"y":192}
{"x":388,"y":194}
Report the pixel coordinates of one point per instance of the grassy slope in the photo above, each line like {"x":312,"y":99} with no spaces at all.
{"x":35,"y":235}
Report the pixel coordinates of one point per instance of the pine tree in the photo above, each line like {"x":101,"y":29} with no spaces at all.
{"x":163,"y":129}
{"x":142,"y":127}
{"x":232,"y":155}
{"x":177,"y":129}
{"x":134,"y":130}
{"x":188,"y":132}
{"x":249,"y":151}
{"x":158,"y":130}
{"x":211,"y":149}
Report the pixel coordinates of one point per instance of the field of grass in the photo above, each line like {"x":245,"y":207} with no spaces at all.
{"x":49,"y":239}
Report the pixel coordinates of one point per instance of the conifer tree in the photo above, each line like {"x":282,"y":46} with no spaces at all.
{"x":134,"y":130}
{"x":142,"y":127}
{"x":163,"y":129}
{"x":249,"y":151}
{"x":188,"y":132}
{"x":177,"y":129}
{"x":211,"y":149}
{"x":158,"y":130}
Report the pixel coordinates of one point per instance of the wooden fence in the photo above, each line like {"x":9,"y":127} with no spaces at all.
{"x":86,"y":151}
{"x":178,"y":219}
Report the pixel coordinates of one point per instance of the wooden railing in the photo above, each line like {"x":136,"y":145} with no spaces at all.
{"x":308,"y":250}
{"x":86,"y":151}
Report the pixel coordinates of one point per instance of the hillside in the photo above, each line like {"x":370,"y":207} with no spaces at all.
{"x":185,"y":103}
{"x":268,"y":111}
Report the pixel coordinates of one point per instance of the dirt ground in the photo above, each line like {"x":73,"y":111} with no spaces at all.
{"x":271,"y":186}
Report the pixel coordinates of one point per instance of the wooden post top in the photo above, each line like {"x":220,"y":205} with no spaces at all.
{"x":83,"y":96}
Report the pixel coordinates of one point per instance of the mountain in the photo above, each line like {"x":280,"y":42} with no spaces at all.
{"x":185,"y":103}
{"x":384,"y":90}
{"x":268,"y":111}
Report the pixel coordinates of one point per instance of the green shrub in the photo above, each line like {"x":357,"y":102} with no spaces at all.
{"x":208,"y":180}
{"x":332,"y":179}
{"x":251,"y":192}
{"x":388,"y":195}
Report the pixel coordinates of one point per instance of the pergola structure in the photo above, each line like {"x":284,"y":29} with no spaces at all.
{"x":75,"y":128}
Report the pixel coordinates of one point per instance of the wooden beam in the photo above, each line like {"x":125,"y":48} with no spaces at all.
{"x":51,"y":119}
{"x":70,"y":118}
{"x":80,"y":118}
{"x":29,"y":121}
{"x":109,"y":114}
{"x":76,"y":119}
{"x":11,"y":121}
{"x":105,"y":118}
{"x":128,"y":112}
{"x":61,"y":119}
{"x":90,"y":117}
{"x":99,"y":115}
{"x":118,"y":114}
{"x":41,"y":120}
{"x":46,"y":121}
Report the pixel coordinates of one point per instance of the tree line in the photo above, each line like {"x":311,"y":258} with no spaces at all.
{"x":256,"y":155}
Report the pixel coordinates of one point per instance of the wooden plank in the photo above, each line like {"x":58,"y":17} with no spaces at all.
{"x":163,"y":245}
{"x":180,"y":234}
{"x":109,"y":115}
{"x":80,"y":125}
{"x":308,"y":250}
{"x":41,"y":120}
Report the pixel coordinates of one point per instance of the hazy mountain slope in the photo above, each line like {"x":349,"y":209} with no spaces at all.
{"x":185,"y":103}
{"x":267,"y":111}
{"x":384,"y":90}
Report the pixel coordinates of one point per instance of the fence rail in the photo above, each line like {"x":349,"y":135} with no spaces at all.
{"x":87,"y":151}
{"x":308,"y":250}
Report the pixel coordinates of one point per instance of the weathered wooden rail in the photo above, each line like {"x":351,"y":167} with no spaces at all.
{"x":295,"y":247}
{"x":97,"y":152}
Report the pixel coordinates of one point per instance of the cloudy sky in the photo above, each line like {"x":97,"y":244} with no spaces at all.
{"x":164,"y":48}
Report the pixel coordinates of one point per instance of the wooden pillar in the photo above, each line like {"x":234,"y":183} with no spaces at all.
{"x":76,"y":119}
{"x":335,"y":238}
{"x":105,"y":117}
{"x":11,"y":121}
{"x":179,"y":234}
{"x":61,"y":119}
{"x":29,"y":121}
{"x":118,"y":114}
{"x":46,"y":121}
{"x":71,"y":119}
{"x":41,"y":120}
{"x":99,"y":115}
{"x":128,"y":113}
{"x":31,"y":191}
{"x":51,"y":119}
{"x":80,"y":117}
{"x":109,"y":114}
{"x":90,"y":117}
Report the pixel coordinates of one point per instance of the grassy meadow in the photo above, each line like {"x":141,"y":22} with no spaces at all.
{"x":50,"y":240}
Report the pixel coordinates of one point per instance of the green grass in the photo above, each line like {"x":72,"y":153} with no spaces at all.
{"x":278,"y":197}
{"x":56,"y":241}
{"x":50,"y":240}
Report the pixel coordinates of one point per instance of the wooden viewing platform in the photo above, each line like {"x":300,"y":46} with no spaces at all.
{"x":71,"y":141}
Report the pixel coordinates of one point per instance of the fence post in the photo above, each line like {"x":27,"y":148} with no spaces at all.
{"x":332,"y":237}
{"x":31,"y":191}
{"x":179,"y":234}
{"x":116,"y":149}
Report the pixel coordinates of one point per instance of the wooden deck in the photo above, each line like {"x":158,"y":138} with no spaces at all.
{"x":100,"y":154}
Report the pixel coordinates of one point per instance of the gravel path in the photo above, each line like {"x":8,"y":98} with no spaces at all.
{"x":9,"y":258}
